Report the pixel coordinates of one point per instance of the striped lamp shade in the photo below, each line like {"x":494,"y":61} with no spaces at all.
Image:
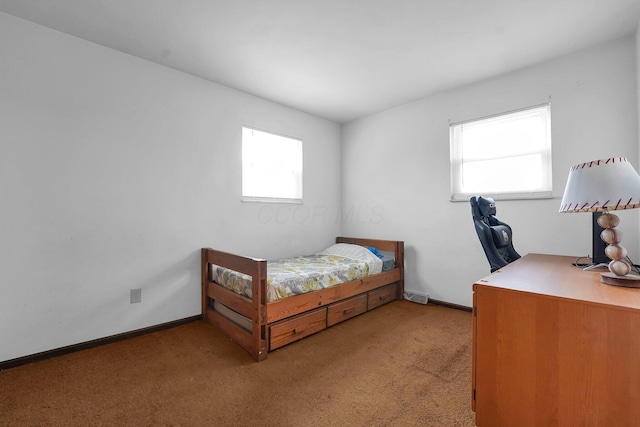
{"x":602,"y":185}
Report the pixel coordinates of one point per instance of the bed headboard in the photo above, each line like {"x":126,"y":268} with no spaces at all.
{"x":383,"y":245}
{"x":395,"y":246}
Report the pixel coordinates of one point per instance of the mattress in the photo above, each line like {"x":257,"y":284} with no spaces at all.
{"x":337,"y":264}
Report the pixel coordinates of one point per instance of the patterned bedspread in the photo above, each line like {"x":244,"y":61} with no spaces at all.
{"x":298,"y":275}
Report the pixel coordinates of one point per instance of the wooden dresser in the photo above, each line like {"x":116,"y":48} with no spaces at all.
{"x":552,"y":346}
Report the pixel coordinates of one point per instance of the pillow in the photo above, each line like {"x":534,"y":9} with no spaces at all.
{"x":375,"y":251}
{"x":355,"y":252}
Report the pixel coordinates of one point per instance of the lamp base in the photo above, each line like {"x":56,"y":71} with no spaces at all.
{"x":628,"y":281}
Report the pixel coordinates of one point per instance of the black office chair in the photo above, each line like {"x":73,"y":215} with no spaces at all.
{"x":495,"y":236}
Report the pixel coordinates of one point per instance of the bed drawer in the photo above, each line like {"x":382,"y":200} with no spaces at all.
{"x":347,"y":309}
{"x":381,"y":296}
{"x":290,"y":330}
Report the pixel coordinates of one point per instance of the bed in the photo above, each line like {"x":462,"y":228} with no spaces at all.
{"x":283,"y":309}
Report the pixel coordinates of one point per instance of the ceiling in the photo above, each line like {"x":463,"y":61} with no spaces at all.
{"x":339,"y":59}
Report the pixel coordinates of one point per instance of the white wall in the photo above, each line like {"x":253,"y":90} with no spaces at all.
{"x":401,"y":157}
{"x":638,"y":92}
{"x":114,"y":172}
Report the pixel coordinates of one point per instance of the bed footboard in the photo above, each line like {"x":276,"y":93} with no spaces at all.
{"x":254,"y":340}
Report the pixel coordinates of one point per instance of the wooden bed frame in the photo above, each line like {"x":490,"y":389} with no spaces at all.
{"x":277,"y":323}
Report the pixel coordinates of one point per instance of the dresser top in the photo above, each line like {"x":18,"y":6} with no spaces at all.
{"x":556,"y":276}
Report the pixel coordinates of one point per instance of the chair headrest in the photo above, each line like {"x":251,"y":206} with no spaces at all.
{"x":482,"y":207}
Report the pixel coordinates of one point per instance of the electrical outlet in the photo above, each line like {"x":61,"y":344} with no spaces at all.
{"x":136,"y":295}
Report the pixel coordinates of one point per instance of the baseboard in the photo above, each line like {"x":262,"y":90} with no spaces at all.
{"x":450,"y":305}
{"x":93,"y":343}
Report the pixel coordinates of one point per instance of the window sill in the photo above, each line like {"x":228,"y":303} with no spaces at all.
{"x":270,"y":200}
{"x":504,"y":196}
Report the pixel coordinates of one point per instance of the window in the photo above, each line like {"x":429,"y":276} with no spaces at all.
{"x":507,"y":156}
{"x":271,"y":167}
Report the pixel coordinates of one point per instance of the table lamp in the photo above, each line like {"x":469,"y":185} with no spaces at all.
{"x":603,"y":186}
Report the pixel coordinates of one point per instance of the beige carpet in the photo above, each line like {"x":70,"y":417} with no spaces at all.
{"x":403,"y":364}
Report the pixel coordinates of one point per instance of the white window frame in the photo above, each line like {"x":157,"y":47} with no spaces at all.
{"x":283,"y":172}
{"x":541,"y":150}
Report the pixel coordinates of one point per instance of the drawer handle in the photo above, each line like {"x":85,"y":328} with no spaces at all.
{"x":383,"y":297}
{"x":299,"y":330}
{"x":347,"y":310}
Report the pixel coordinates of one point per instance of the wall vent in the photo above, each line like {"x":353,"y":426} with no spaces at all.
{"x":416,"y":297}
